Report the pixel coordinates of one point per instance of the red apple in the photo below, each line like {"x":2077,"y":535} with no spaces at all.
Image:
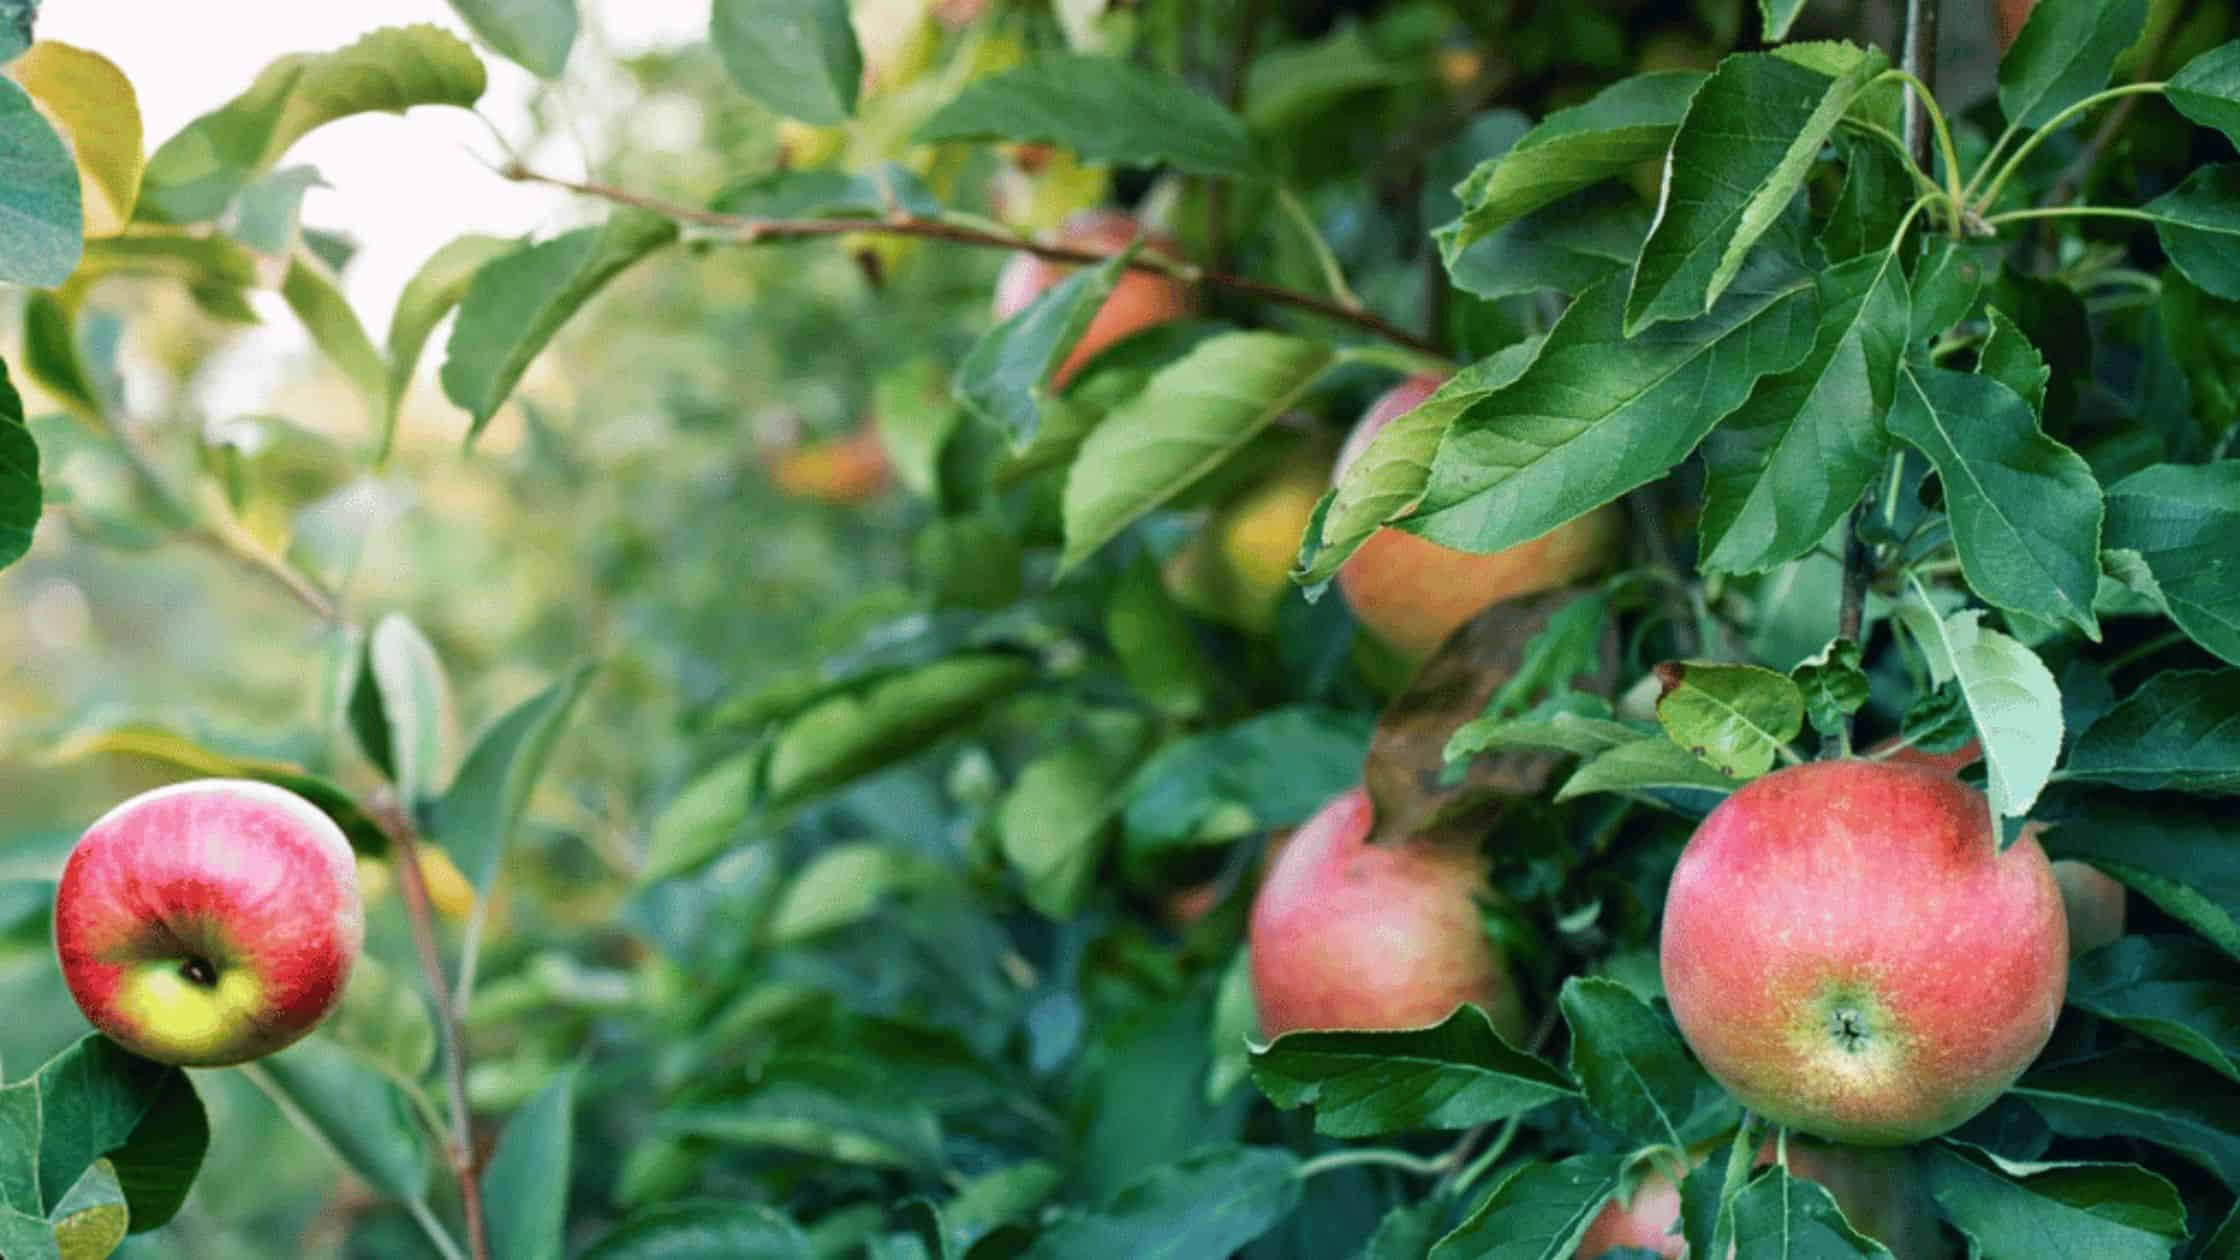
{"x":1880,"y":1190}
{"x":1412,"y":593}
{"x":209,"y":923}
{"x":1345,"y":934}
{"x":2094,"y":903}
{"x":1849,"y":953}
{"x":1137,"y":302}
{"x":2010,"y":15}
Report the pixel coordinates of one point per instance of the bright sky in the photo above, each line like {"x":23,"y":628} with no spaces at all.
{"x":401,"y":185}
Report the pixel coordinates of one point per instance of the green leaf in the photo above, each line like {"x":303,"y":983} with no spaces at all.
{"x":1052,"y":824}
{"x":2181,"y":730}
{"x":25,"y":1237}
{"x":1537,"y":1212}
{"x":1455,"y":1075}
{"x":16,"y":20}
{"x":315,"y":296}
{"x":1565,"y":246}
{"x":385,"y":1021}
{"x":1777,"y":1215}
{"x":515,"y":304}
{"x":93,"y":1218}
{"x":2072,"y":1211}
{"x":2008,"y":358}
{"x":1637,"y":1076}
{"x":21,"y":500}
{"x":839,"y":886}
{"x":194,"y":175}
{"x":1647,"y":765}
{"x":1006,"y":378}
{"x":1750,"y":137}
{"x":1737,"y":719}
{"x":1207,"y":1204}
{"x":1779,"y":15}
{"x":1597,"y":414}
{"x":1236,"y":1021}
{"x":1784,"y":468}
{"x":1573,"y":723}
{"x":2010,"y":693}
{"x":2181,"y":855}
{"x":870,"y":723}
{"x":19,"y":1148}
{"x":526,"y":1183}
{"x":1387,"y":479}
{"x":822,"y":1119}
{"x":1833,"y":684}
{"x":2144,"y":1093}
{"x":2064,"y":53}
{"x":431,"y":293}
{"x":396,"y":705}
{"x":1104,"y":110}
{"x":702,"y":819}
{"x":2199,"y":225}
{"x":1627,"y":123}
{"x":703,"y":1229}
{"x":1872,"y":201}
{"x":2026,"y":512}
{"x":535,"y":34}
{"x":171,"y":749}
{"x":829,"y":194}
{"x":1946,"y":285}
{"x":1273,"y":770}
{"x":476,"y":818}
{"x":39,"y":199}
{"x":2183,"y":522}
{"x":2173,"y":990}
{"x":799,"y":57}
{"x":99,"y":1100}
{"x":2207,"y":90}
{"x":1192,"y":416}
{"x":355,"y":1112}
{"x":93,"y":104}
{"x":1155,"y":644}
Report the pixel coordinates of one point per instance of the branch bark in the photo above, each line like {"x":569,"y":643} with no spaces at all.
{"x":745,"y":230}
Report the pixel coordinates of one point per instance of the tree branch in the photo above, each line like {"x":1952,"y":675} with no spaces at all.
{"x":745,"y":230}
{"x":459,"y":1143}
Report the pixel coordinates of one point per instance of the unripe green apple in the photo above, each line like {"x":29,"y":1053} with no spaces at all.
{"x":1848,"y":951}
{"x":2092,"y":902}
{"x":1238,"y":568}
{"x":209,"y":923}
{"x":1137,"y":302}
{"x":1880,"y":1189}
{"x":1412,"y":593}
{"x":1345,"y":934}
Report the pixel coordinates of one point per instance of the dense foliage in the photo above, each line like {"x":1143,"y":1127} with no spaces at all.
{"x":836,"y":735}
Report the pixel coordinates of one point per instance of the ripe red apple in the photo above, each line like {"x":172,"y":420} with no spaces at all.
{"x":843,"y":471}
{"x":1850,"y":954}
{"x":1880,"y":1190}
{"x":2093,"y":902}
{"x":209,"y":923}
{"x":1412,"y":593}
{"x":2010,"y":15}
{"x":1137,"y":302}
{"x":1350,"y":935}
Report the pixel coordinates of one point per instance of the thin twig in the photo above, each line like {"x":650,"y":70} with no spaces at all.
{"x":752,"y":231}
{"x":459,"y":1143}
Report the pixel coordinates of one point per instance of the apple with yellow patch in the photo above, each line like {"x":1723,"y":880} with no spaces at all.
{"x":209,"y":923}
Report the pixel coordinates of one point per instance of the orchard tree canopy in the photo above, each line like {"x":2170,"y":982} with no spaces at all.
{"x":966,"y":629}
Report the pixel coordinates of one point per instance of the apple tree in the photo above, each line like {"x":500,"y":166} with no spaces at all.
{"x":1408,"y":629}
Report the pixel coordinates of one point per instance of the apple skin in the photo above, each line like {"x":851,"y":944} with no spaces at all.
{"x":1237,"y":569}
{"x":1848,"y":952}
{"x":2094,"y":902}
{"x":1412,"y":593}
{"x":209,"y":923}
{"x":2010,"y":15}
{"x":1138,"y":301}
{"x":844,"y":472}
{"x":1880,"y":1189}
{"x":1345,"y":934}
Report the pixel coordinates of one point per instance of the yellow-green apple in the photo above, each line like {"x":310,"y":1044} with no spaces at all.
{"x":1345,"y":934}
{"x":1137,"y":302}
{"x":1849,"y":953}
{"x":1238,"y":568}
{"x":2093,"y":902}
{"x":1880,"y":1189}
{"x":209,"y":923}
{"x":843,"y":471}
{"x":1412,"y":592}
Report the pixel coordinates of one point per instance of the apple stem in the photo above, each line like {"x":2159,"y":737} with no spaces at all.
{"x":746,"y":230}
{"x":459,"y":1142}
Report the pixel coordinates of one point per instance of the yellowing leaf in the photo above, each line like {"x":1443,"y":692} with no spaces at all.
{"x":93,"y":106}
